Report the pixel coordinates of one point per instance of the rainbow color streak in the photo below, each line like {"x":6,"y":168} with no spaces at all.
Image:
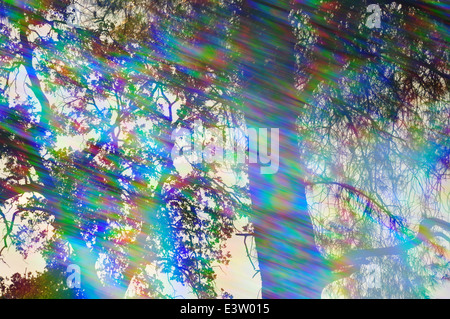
{"x":93,"y":92}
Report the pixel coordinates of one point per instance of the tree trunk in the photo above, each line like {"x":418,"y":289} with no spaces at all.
{"x":83,"y":257}
{"x":289,"y":262}
{"x":138,"y":255}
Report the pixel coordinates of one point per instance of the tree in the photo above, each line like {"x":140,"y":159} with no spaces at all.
{"x":360,"y":118}
{"x":377,"y":162}
{"x":117,"y":187}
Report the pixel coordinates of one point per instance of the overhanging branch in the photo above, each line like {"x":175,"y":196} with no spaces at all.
{"x":356,"y":258}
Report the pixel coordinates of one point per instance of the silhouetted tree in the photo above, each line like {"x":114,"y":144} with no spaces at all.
{"x":363,"y":119}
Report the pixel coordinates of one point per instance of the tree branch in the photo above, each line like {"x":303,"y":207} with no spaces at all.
{"x":356,"y":191}
{"x":9,"y":191}
{"x":356,"y":258}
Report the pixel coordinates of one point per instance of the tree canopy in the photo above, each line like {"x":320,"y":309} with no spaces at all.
{"x":91,"y":93}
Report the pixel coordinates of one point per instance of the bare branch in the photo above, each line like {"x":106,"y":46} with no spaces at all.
{"x":424,"y":235}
